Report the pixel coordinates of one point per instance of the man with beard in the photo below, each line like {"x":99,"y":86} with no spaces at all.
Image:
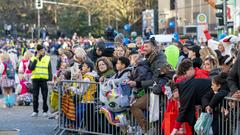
{"x":155,"y":58}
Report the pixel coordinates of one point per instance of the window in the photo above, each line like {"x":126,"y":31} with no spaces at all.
{"x":195,"y":14}
{"x":172,"y":4}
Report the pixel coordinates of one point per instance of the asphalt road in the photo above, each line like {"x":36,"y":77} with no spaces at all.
{"x":19,"y":117}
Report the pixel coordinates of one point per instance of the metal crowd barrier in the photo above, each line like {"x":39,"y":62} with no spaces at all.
{"x":79,"y":116}
{"x":229,"y":117}
{"x":85,"y":117}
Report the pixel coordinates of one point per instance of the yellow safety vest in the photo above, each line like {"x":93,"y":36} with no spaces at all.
{"x":89,"y":95}
{"x":41,"y":69}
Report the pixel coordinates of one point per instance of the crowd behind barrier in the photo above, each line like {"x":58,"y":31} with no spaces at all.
{"x":109,"y":86}
{"x":78,"y":116}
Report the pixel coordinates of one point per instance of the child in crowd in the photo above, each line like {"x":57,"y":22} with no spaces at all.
{"x":7,"y":79}
{"x":23,"y":66}
{"x":140,"y":71}
{"x":88,"y":88}
{"x":123,"y":70}
{"x":24,"y":97}
{"x":214,"y":97}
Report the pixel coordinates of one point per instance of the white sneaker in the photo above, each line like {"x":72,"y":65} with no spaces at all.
{"x":45,"y":115}
{"x":34,"y":114}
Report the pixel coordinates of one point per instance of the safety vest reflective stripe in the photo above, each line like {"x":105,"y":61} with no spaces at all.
{"x":40,"y":73}
{"x":41,"y":69}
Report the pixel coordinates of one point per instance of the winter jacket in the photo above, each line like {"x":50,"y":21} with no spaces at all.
{"x":122,"y":76}
{"x":214,"y":72}
{"x":163,"y":82}
{"x":24,"y":87}
{"x":108,"y":74}
{"x":155,"y":60}
{"x":107,"y":52}
{"x":191,"y":92}
{"x":200,"y":73}
{"x":141,"y":71}
{"x":234,"y":77}
{"x":23,"y":67}
{"x":93,"y":55}
{"x":211,"y":99}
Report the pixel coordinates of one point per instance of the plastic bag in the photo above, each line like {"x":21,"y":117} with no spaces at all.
{"x":203,"y":124}
{"x":54,"y":100}
{"x":154,"y":107}
{"x":116,"y":96}
{"x":170,"y":117}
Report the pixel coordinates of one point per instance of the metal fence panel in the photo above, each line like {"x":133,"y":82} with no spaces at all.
{"x":82,"y":116}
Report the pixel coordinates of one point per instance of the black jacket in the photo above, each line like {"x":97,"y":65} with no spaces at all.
{"x":107,"y":52}
{"x":164,"y":80}
{"x":141,"y":71}
{"x":214,"y":72}
{"x":191,"y":92}
{"x":155,"y":60}
{"x":234,"y":77}
{"x":32,"y":66}
{"x":213,"y":99}
{"x":93,"y":55}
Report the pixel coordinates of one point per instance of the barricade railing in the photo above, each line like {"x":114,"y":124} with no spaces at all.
{"x":79,"y":113}
{"x":229,"y":117}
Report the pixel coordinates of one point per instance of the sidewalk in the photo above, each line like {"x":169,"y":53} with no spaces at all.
{"x":19,"y":117}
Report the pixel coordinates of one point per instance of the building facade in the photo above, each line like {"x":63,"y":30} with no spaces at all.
{"x":186,"y":12}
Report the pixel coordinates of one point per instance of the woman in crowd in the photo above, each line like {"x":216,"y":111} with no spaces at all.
{"x":210,"y":64}
{"x":80,"y":56}
{"x":221,"y":49}
{"x":104,"y":68}
{"x":121,"y":51}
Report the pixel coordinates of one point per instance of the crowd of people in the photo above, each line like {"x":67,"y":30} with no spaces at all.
{"x":199,"y":76}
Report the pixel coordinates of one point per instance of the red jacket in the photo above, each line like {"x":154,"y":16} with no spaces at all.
{"x":200,"y":73}
{"x":25,"y":67}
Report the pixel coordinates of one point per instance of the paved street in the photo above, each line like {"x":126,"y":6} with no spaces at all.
{"x":19,"y":117}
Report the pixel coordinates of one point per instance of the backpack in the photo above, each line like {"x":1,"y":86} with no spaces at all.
{"x":9,"y":70}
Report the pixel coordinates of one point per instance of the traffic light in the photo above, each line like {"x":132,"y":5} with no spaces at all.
{"x":39,"y":4}
{"x":220,"y":14}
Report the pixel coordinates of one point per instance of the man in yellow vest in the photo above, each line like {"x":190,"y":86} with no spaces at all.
{"x":40,"y":65}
